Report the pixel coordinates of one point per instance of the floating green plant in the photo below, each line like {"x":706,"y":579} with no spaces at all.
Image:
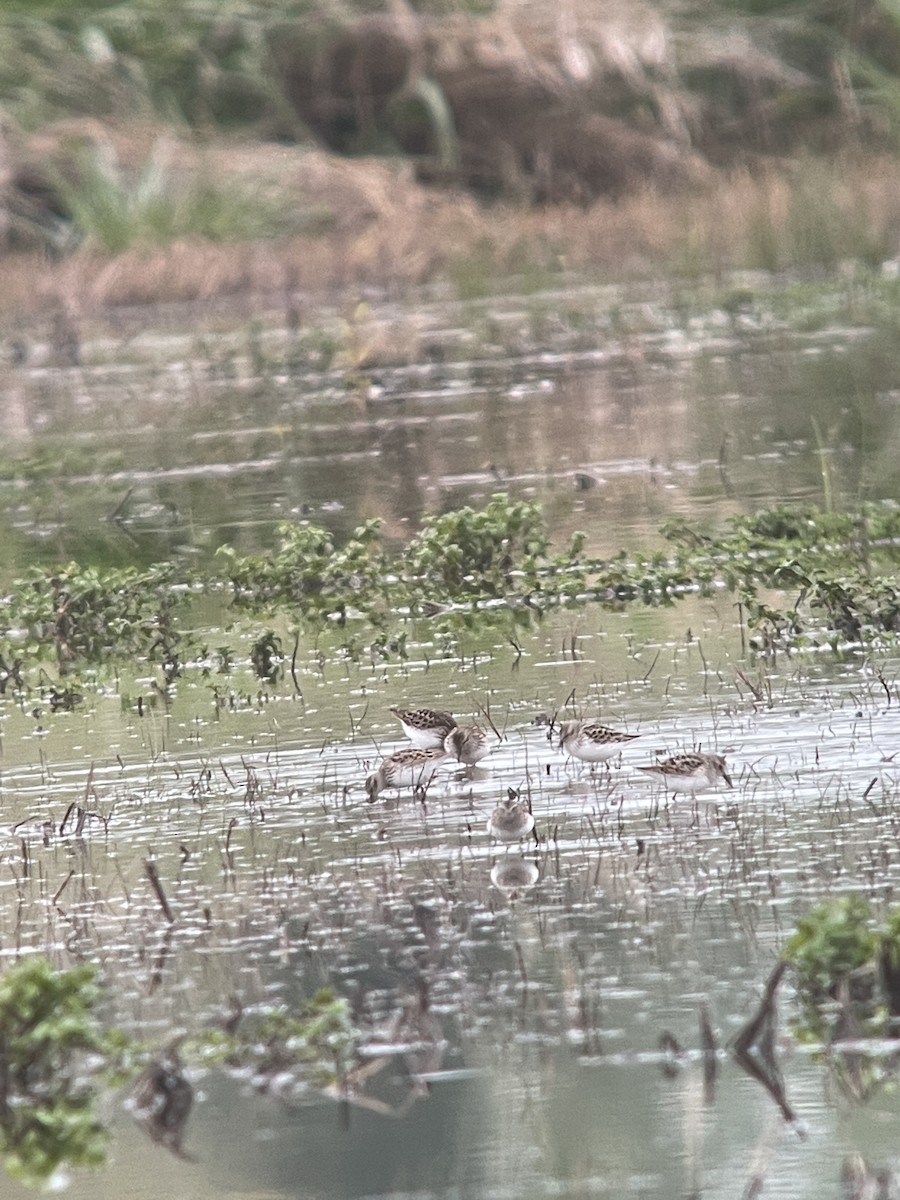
{"x":88,"y":614}
{"x":481,"y":553}
{"x":55,"y":1055}
{"x":846,"y":970}
{"x":801,"y":576}
{"x":47,"y":1103}
{"x":317,"y":1044}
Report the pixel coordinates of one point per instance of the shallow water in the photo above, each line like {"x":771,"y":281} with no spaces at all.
{"x":540,"y":1071}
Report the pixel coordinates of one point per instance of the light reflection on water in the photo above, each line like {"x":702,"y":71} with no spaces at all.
{"x":142,"y":458}
{"x":283,"y":879}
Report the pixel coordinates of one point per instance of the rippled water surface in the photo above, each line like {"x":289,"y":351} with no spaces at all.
{"x":533,"y":1067}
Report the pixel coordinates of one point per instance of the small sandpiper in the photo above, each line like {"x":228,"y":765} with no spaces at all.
{"x":690,"y":772}
{"x":425,"y":727}
{"x":591,"y":741}
{"x":413,"y":767}
{"x":511,"y":820}
{"x":467,"y":744}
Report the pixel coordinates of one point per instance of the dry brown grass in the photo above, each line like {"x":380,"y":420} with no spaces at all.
{"x":385,"y":230}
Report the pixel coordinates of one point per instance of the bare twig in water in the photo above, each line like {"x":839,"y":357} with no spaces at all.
{"x":79,"y":808}
{"x":879,"y":675}
{"x":62,"y":887}
{"x":153,"y":876}
{"x":115,"y":517}
{"x":755,"y":689}
{"x":709,"y":1047}
{"x":740,"y":609}
{"x":754,"y":1048}
{"x":228,"y":855}
{"x":485,"y":711}
{"x":649,"y":672}
{"x":297,"y":687}
{"x":62,"y":824}
{"x":865,"y":795}
{"x":523,"y":972}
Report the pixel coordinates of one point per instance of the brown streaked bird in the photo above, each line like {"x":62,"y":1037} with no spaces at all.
{"x":511,"y":820}
{"x":467,"y":744}
{"x":425,"y":727}
{"x":592,"y":742}
{"x":413,"y":768}
{"x":690,"y":772}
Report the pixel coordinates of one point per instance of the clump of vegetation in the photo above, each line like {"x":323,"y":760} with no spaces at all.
{"x":110,"y":208}
{"x":54,"y":1054}
{"x":91,"y":615}
{"x":309,"y":574}
{"x":801,"y":576}
{"x":846,"y":971}
{"x":316,"y":1045}
{"x":47,"y":1114}
{"x":828,"y":562}
{"x":478,"y":553}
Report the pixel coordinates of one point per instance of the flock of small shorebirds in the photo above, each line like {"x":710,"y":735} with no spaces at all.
{"x":437,"y":738}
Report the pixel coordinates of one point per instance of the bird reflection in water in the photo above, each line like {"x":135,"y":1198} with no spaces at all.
{"x":513,"y":875}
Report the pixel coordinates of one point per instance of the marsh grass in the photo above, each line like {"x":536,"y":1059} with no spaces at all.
{"x":202,"y":224}
{"x":113,"y":209}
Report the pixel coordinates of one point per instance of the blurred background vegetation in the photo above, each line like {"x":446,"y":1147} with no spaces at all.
{"x":121,"y":123}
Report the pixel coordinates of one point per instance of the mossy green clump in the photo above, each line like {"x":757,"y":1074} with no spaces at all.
{"x":480,"y":553}
{"x":846,"y":971}
{"x":310,"y":575}
{"x":835,"y":567}
{"x":47,"y":1112}
{"x":88,"y":615}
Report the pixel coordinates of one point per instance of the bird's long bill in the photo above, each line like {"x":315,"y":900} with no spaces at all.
{"x":727,"y":778}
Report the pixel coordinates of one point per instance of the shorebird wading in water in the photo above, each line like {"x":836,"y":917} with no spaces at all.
{"x":467,"y":743}
{"x":592,"y":742}
{"x":690,"y":772}
{"x":510,"y":821}
{"x":413,"y":768}
{"x":425,"y":727}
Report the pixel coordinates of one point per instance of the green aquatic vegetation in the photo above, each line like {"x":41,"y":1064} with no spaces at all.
{"x":478,"y":553}
{"x":55,"y":1055}
{"x":47,"y":1103}
{"x":803,"y":530}
{"x":799,"y":575}
{"x":310,"y":574}
{"x":846,"y":971}
{"x":836,"y":567}
{"x":889,"y":967}
{"x":93,"y":615}
{"x":317,"y":1044}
